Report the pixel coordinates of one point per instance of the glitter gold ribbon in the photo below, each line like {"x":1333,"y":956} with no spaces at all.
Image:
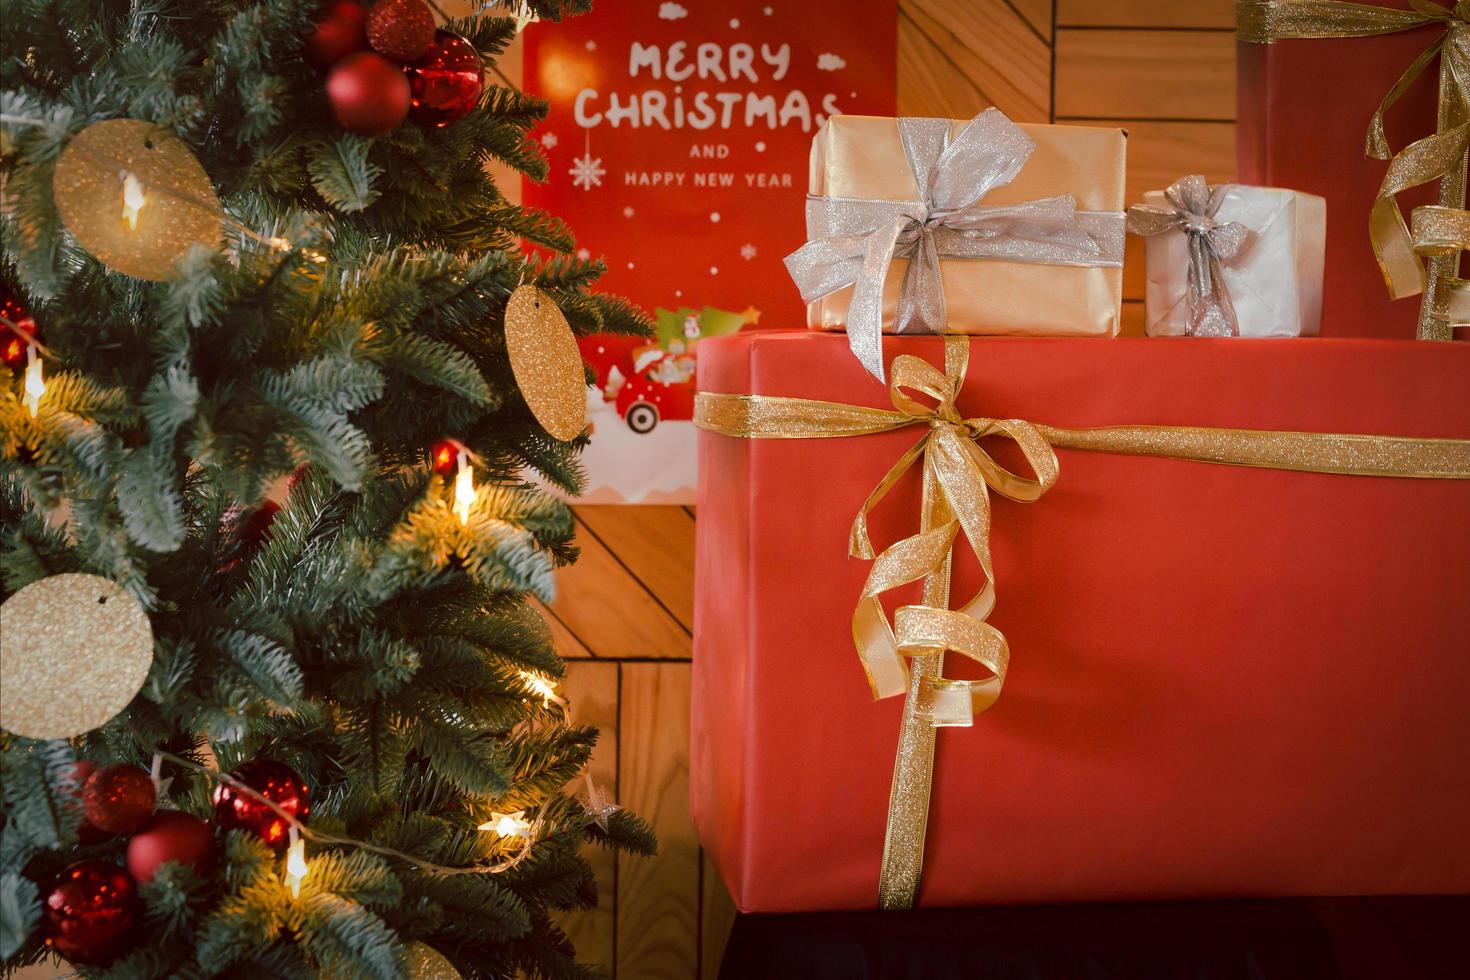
{"x":907,"y":655}
{"x":1439,"y":156}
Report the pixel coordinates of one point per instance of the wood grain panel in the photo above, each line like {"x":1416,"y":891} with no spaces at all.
{"x":1005,"y":60}
{"x":1219,"y":14}
{"x":611,"y":612}
{"x":930,"y":82}
{"x":1159,"y":153}
{"x":568,"y":645}
{"x":591,"y":688}
{"x":658,"y":898}
{"x":1038,"y":15}
{"x":656,"y":543}
{"x":1145,"y":74}
{"x":1133,"y":323}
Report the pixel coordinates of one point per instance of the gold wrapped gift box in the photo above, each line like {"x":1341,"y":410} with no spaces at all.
{"x":862,"y":157}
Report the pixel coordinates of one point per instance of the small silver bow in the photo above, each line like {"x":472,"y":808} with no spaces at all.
{"x":1192,"y":206}
{"x":854,"y":240}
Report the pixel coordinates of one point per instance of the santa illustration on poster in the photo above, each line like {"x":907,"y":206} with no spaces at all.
{"x":678,"y":136}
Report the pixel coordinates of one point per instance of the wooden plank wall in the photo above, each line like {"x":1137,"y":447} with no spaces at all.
{"x":1162,"y":69}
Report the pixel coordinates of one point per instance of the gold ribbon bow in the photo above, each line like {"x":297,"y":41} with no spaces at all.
{"x":1439,"y":156}
{"x":957,"y":477}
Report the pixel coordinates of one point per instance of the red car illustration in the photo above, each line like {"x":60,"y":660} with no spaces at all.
{"x":647,"y":383}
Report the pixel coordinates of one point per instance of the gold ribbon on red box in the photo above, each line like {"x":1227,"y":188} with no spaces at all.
{"x":906,"y":656}
{"x":1425,"y":259}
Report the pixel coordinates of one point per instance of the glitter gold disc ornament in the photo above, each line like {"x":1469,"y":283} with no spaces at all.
{"x":427,"y":963}
{"x":135,"y":197}
{"x":74,"y":650}
{"x":547,"y":366}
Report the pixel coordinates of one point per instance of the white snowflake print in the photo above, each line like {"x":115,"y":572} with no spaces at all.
{"x":628,"y":211}
{"x":583,"y":254}
{"x":549,"y":140}
{"x":767,"y":11}
{"x":747,"y":251}
{"x":587,"y":172}
{"x":591,"y":45}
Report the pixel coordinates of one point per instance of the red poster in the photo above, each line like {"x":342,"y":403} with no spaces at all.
{"x":678,"y":139}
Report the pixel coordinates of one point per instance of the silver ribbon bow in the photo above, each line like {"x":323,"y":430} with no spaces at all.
{"x":1191,"y":208}
{"x":854,"y":240}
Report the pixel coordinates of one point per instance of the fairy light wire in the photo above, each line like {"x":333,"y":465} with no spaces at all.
{"x":532,"y":837}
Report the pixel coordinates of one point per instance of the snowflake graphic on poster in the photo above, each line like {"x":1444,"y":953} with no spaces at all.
{"x":548,"y":140}
{"x":587,"y":171}
{"x":747,"y":251}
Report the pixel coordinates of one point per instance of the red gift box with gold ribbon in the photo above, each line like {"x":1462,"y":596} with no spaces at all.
{"x":1310,"y":79}
{"x":1224,"y":680}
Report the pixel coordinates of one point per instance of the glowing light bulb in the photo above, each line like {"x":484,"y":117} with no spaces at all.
{"x":133,"y":200}
{"x":542,"y":685}
{"x":508,"y":824}
{"x":296,"y":868}
{"x":464,"y":488}
{"x":35,"y":385}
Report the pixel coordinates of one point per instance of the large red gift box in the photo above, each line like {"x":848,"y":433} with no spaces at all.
{"x":1303,"y":107}
{"x":1224,"y":681}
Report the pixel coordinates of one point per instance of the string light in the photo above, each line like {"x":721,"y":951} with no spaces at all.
{"x":543,"y":686}
{"x":302,"y":831}
{"x":464,"y":487}
{"x":508,"y":824}
{"x":35,"y":385}
{"x":133,"y":200}
{"x":296,"y":867}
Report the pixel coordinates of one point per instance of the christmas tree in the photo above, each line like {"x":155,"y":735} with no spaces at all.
{"x":270,"y":484}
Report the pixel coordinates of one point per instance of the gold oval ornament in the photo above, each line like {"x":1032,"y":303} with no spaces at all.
{"x":427,"y":963}
{"x":135,"y":197}
{"x":546,"y":362}
{"x":74,"y":650}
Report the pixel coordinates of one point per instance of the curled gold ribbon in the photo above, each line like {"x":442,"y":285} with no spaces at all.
{"x":1438,"y":156}
{"x":1443,"y":233}
{"x":958,"y":476}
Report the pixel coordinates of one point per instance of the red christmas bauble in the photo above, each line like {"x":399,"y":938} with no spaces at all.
{"x":369,"y":94}
{"x":89,"y":911}
{"x":445,"y":457}
{"x":118,"y":799}
{"x":401,"y":29}
{"x":273,"y":780}
{"x":86,"y":833}
{"x":171,"y":835}
{"x":244,"y":529}
{"x":341,"y":30}
{"x":447,"y":81}
{"x":17,"y":329}
{"x":81,"y":771}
